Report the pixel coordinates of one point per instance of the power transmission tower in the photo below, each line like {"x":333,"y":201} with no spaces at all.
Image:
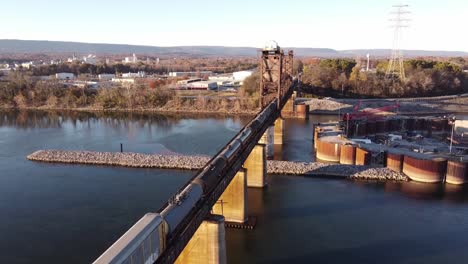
{"x":399,"y":21}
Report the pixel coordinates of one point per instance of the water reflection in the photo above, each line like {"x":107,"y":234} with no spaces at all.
{"x":53,"y":119}
{"x":422,"y":191}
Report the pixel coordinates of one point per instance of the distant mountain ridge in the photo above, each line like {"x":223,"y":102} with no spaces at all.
{"x":10,"y":46}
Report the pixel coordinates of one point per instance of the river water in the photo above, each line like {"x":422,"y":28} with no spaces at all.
{"x":71,"y":213}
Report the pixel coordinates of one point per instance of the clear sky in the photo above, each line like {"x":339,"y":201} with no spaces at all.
{"x":337,"y":24}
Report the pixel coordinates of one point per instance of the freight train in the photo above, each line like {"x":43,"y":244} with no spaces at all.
{"x":145,"y":241}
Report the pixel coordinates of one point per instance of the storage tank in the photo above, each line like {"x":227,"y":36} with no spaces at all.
{"x":363,"y":156}
{"x":395,"y":160}
{"x":348,"y":154}
{"x":302,"y":110}
{"x":457,"y":171}
{"x":424,"y":168}
{"x":328,"y":150}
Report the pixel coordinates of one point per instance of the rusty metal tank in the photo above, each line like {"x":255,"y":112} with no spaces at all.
{"x":348,"y":154}
{"x":328,"y":150}
{"x":457,"y":171}
{"x":363,"y":156}
{"x":395,"y":160}
{"x":424,"y":168}
{"x":302,"y":110}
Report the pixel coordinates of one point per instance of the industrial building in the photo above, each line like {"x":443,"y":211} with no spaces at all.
{"x":65,"y":76}
{"x":240,"y":76}
{"x":140,"y":74}
{"x":90,"y":59}
{"x":106,"y":77}
{"x":132,"y":59}
{"x":202,"y":85}
{"x":190,"y":74}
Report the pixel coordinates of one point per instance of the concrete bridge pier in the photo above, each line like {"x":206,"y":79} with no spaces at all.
{"x":207,"y":245}
{"x":268,"y":139}
{"x":255,"y":164}
{"x":233,"y":202}
{"x":278,"y":131}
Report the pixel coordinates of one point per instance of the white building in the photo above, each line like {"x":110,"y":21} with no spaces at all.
{"x":72,"y":59}
{"x":140,"y":74}
{"x":132,"y":59}
{"x":91,"y":59}
{"x":240,"y":76}
{"x":27,"y":65}
{"x":106,"y":76}
{"x":203,"y":85}
{"x":190,"y":74}
{"x":65,"y":76}
{"x":124,"y":80}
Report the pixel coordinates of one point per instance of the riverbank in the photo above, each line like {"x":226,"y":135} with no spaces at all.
{"x":136,"y":110}
{"x":184,"y":162}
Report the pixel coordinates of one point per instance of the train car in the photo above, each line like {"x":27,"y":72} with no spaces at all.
{"x":245,"y":135}
{"x":181,"y":204}
{"x":142,"y":243}
{"x":232,"y":150}
{"x":209,"y":177}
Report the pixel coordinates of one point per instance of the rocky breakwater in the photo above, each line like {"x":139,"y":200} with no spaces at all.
{"x":125,"y":159}
{"x":185,"y":162}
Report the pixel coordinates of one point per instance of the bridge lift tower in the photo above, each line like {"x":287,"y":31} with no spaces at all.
{"x":276,"y":71}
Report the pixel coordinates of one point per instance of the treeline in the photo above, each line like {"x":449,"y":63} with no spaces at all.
{"x":218,"y":65}
{"x":347,"y":78}
{"x":22,"y":91}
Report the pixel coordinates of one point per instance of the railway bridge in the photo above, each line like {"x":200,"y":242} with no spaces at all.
{"x":189,"y":228}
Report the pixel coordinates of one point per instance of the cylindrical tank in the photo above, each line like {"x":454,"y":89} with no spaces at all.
{"x":316,"y":132}
{"x":302,"y":110}
{"x":348,"y":154}
{"x":328,"y":151}
{"x":457,"y":172}
{"x":370,"y":127}
{"x":361,"y":129}
{"x":381,"y":126}
{"x":363,"y":156}
{"x":424,"y":168}
{"x":395,"y":160}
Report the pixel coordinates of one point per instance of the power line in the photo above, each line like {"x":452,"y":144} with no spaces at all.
{"x":399,"y":21}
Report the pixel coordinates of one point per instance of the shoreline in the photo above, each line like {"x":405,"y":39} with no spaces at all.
{"x":130,"y":110}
